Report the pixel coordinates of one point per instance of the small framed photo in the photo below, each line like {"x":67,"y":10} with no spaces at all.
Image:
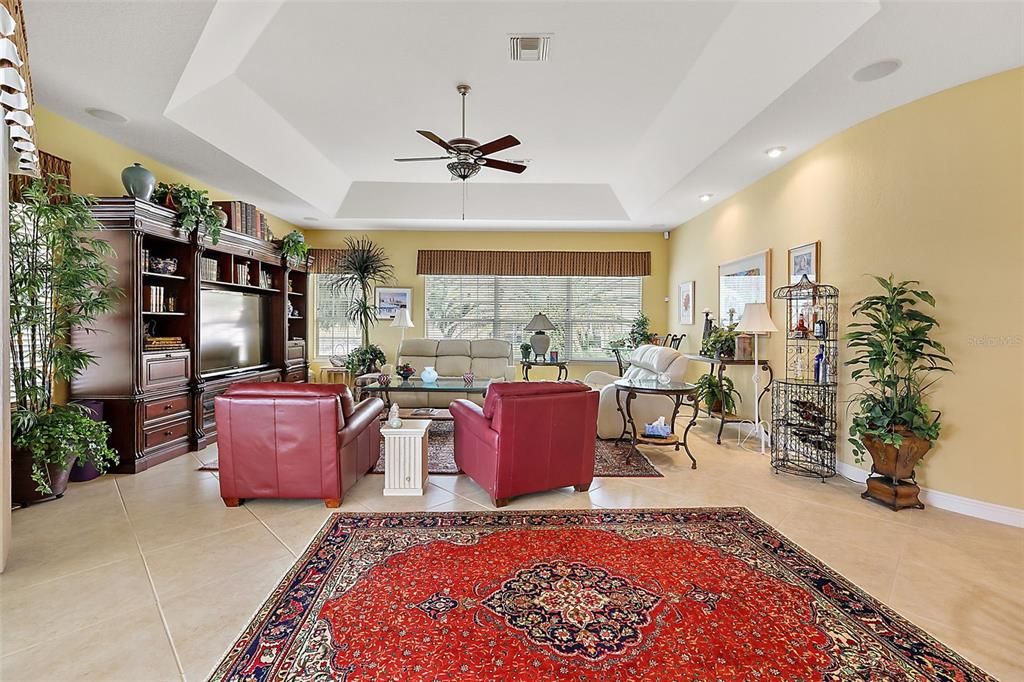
{"x":803,"y":260}
{"x":686,"y":302}
{"x":389,"y":300}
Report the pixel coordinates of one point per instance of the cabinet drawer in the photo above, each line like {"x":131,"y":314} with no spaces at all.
{"x":296,"y":376}
{"x":165,"y":369}
{"x":166,"y":407}
{"x":166,"y":434}
{"x":295,"y":352}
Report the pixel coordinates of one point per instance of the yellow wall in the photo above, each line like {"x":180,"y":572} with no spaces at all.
{"x":97,"y":161}
{"x":402,"y":246}
{"x":934,"y":191}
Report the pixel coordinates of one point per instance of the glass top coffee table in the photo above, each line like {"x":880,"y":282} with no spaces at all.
{"x":477,"y":387}
{"x":677,"y":392}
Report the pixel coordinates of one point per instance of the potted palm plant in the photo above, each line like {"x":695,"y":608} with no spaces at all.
{"x":894,"y":358}
{"x":363,"y":265}
{"x":59,"y":280}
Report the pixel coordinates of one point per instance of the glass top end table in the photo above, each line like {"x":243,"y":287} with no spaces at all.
{"x":677,"y":391}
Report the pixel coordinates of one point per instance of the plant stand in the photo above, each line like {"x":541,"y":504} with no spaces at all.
{"x":804,"y":415}
{"x":893,"y":493}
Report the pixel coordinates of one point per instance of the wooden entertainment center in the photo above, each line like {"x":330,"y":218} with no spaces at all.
{"x":155,"y":396}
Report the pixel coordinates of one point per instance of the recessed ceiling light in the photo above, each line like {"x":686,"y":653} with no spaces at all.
{"x":106,"y":115}
{"x":774,"y":152}
{"x":705,"y":197}
{"x":876,"y":71}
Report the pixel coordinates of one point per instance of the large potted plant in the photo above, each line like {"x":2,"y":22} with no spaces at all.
{"x":720,"y":342}
{"x":894,"y":358}
{"x":640,"y":332}
{"x":60,"y":280}
{"x":363,"y":265}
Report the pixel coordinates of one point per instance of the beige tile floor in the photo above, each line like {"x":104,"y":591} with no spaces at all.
{"x":150,"y":577}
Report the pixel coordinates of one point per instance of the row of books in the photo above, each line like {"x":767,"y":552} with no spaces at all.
{"x":241,"y":273}
{"x":245,"y":218}
{"x":209,"y":269}
{"x":156,"y":300}
{"x":158,"y":343}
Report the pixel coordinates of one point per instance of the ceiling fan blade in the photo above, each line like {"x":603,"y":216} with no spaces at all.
{"x":498,"y":164}
{"x":426,"y":158}
{"x":496,"y":145}
{"x":436,"y":140}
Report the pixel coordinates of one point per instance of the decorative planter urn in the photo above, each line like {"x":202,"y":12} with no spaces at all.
{"x":138,"y":181}
{"x":23,"y":488}
{"x":892,"y":481}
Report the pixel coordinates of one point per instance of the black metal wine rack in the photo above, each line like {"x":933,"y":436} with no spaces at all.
{"x":804,"y":409}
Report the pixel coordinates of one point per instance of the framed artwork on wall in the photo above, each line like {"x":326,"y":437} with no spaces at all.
{"x":686,"y":302}
{"x":388,"y":300}
{"x":803,"y":260}
{"x":742,"y":281}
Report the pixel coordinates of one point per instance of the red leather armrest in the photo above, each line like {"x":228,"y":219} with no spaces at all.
{"x":472,"y":417}
{"x":363,"y":414}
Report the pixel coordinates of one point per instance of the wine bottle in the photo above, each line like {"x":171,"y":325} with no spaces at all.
{"x":817,"y":364}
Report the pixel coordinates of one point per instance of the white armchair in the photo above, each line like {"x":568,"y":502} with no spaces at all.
{"x":646,"y":362}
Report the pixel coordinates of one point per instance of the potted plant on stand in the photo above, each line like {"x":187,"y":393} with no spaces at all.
{"x":525,"y":350}
{"x":60,"y":280}
{"x":194,"y":208}
{"x":894,"y":356}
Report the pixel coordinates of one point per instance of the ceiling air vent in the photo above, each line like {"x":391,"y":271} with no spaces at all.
{"x":529,"y":48}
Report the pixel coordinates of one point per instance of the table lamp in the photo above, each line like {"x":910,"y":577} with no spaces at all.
{"x":540,"y":342}
{"x":403,"y":321}
{"x":756,"y":321}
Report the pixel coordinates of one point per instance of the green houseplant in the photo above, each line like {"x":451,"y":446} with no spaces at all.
{"x":894,"y":358}
{"x":525,"y":350}
{"x":640,"y":333}
{"x":363,"y":265}
{"x":60,"y":280}
{"x":716,"y":396}
{"x":294,"y":245}
{"x":365,"y":359}
{"x":195,"y":210}
{"x":721,"y":342}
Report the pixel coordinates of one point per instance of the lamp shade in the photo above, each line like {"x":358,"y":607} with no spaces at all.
{"x":539,"y":323}
{"x":756,"y":320}
{"x":402,"y":319}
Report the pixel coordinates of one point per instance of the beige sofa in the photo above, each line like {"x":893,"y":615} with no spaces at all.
{"x":487,"y":359}
{"x":646,"y":362}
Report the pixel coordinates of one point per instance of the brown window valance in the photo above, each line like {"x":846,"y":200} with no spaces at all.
{"x":552,"y":263}
{"x":325,"y":261}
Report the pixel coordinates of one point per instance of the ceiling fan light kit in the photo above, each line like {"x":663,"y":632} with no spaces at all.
{"x":465,"y":155}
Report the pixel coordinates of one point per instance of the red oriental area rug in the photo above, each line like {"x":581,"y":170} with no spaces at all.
{"x":668,"y":594}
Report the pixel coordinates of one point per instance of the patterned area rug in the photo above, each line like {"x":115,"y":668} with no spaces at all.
{"x":609,"y":459}
{"x":666,"y":594}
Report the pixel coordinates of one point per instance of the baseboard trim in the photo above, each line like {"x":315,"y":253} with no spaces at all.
{"x":989,"y":511}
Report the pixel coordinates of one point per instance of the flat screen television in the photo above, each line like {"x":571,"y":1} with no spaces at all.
{"x":233,"y":334}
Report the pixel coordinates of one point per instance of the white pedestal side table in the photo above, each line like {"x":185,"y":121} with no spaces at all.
{"x":405,"y":457}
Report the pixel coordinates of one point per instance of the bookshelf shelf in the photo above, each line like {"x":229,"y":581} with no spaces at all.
{"x":163,"y":276}
{"x":147,"y":312}
{"x":213,"y":284}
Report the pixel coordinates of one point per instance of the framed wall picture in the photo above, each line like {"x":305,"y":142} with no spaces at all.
{"x":388,"y":300}
{"x":686,"y":303}
{"x":803,"y":260}
{"x":742,"y":281}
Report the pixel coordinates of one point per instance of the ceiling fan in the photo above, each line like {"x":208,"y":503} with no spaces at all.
{"x":465,"y":155}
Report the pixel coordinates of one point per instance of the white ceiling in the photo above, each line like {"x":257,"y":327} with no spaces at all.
{"x":300,"y":106}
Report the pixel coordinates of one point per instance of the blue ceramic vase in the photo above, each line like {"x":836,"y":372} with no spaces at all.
{"x":138,"y":181}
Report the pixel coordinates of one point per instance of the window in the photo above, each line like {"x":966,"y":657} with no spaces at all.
{"x":588,"y":312}
{"x":335,"y":333}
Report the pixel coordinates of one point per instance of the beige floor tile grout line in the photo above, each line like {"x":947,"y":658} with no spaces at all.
{"x":152,"y":587}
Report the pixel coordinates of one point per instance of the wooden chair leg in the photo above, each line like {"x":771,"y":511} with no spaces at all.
{"x":231,"y":501}
{"x":502,"y":501}
{"x":332,"y":502}
{"x":582,"y":488}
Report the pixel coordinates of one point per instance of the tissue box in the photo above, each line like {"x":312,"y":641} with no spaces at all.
{"x":657,"y":430}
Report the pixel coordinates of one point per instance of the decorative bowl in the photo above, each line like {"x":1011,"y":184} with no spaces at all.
{"x":337,"y":360}
{"x":384,"y":379}
{"x":163,"y":266}
{"x":469,"y":377}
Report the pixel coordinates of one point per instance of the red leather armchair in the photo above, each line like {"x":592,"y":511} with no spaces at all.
{"x":278,"y":440}
{"x":528,"y":437}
